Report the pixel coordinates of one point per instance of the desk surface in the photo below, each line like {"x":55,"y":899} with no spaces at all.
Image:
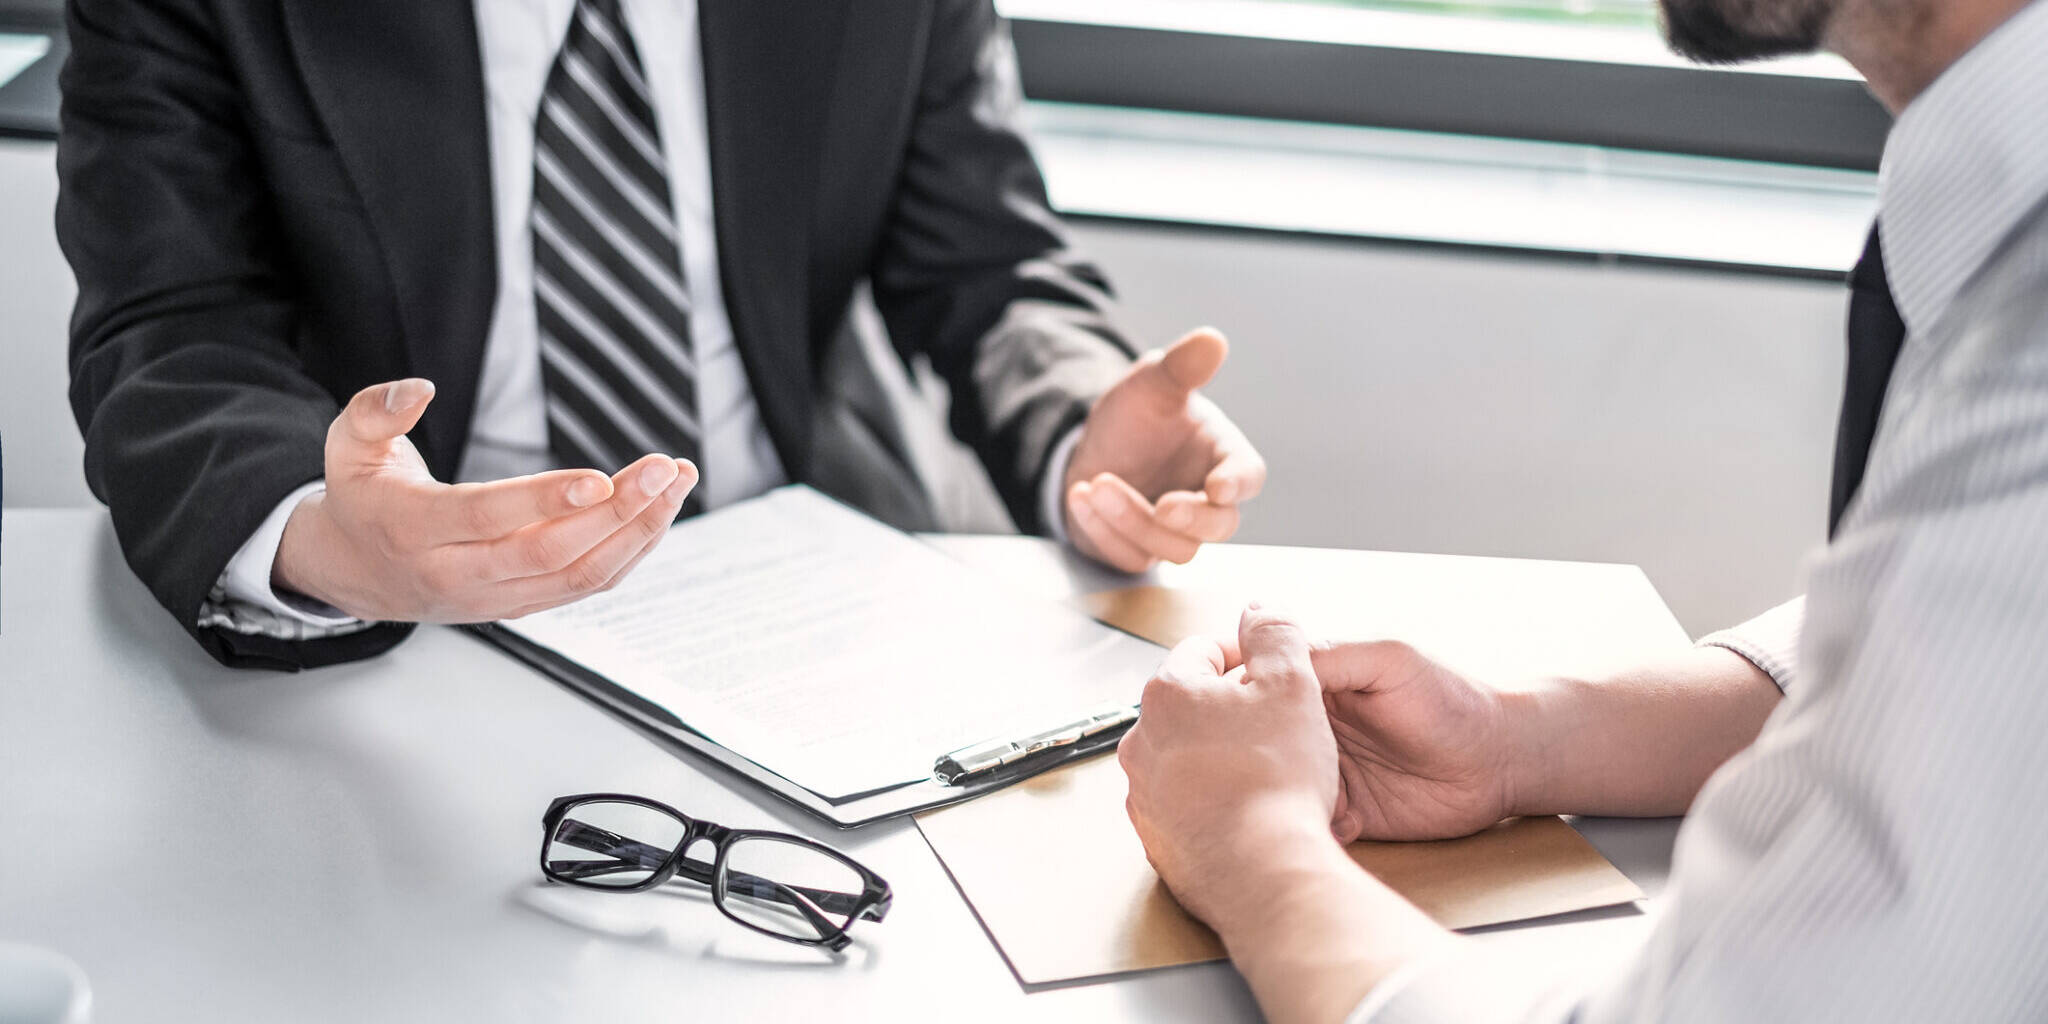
{"x":359,"y":843}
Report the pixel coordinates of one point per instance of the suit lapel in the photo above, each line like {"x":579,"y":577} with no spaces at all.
{"x":768,"y":71}
{"x":399,"y":86}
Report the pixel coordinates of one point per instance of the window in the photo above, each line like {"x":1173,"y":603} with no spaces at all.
{"x":1605,"y":12}
{"x":1575,"y":71}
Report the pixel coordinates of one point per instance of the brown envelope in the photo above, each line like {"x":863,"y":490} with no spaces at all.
{"x":1058,"y":878}
{"x":1056,"y":875}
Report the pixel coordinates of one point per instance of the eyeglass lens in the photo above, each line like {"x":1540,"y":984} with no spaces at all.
{"x":611,"y":843}
{"x":788,"y":889}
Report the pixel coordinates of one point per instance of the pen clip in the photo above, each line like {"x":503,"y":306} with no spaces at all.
{"x":979,"y":760}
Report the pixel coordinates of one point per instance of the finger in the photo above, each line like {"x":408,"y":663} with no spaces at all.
{"x":1121,"y":506}
{"x":561,"y":598}
{"x":1111,"y":547}
{"x":647,"y":548}
{"x":383,"y":412}
{"x":1197,"y":657}
{"x":1360,"y":666}
{"x":605,"y":563}
{"x":1276,"y":651}
{"x":1192,"y":515}
{"x":653,"y":541}
{"x":1192,"y":362}
{"x":1238,"y":478}
{"x":483,"y":511}
{"x":1233,"y":655}
{"x":553,"y":546}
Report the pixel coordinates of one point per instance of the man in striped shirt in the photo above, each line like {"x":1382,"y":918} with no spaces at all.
{"x":1864,"y":770}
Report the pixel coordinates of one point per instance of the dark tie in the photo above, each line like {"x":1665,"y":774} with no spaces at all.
{"x":607,"y":273}
{"x":1875,"y":334}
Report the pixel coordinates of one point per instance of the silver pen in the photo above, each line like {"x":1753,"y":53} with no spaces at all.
{"x":978,"y":760}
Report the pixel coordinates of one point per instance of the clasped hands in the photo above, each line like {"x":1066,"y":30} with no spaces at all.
{"x":1259,"y":755}
{"x":1157,"y":471}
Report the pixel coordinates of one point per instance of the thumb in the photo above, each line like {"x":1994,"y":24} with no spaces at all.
{"x":383,"y":412}
{"x":1275,"y":651}
{"x":1361,"y":666}
{"x":1193,"y":361}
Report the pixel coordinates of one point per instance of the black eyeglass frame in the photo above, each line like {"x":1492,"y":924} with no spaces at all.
{"x":872,"y":904}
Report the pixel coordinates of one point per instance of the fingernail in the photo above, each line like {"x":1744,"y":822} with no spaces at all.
{"x":680,"y":489}
{"x":657,"y":476}
{"x":406,"y":393}
{"x":586,"y":492}
{"x":1180,"y":517}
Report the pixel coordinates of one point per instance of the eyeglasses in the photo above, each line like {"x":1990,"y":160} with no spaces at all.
{"x":775,"y":883}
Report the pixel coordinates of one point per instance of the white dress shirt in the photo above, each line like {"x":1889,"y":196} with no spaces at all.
{"x":1876,"y":854}
{"x":509,"y":435}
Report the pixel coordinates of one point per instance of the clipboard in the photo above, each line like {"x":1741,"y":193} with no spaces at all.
{"x":739,"y":587}
{"x":981,"y":775}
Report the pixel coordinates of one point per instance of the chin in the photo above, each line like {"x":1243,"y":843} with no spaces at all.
{"x":1739,"y":31}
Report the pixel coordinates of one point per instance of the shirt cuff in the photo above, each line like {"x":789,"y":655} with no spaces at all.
{"x":1052,"y":494}
{"x":1770,"y":641}
{"x":246,"y":581}
{"x":1469,"y":985}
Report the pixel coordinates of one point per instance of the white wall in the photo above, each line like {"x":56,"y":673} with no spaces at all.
{"x":1434,"y":400}
{"x":1407,"y":398}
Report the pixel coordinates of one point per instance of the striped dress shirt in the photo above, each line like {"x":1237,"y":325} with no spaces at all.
{"x":1881,"y":851}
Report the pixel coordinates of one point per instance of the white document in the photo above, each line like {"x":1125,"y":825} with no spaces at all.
{"x":835,"y":651}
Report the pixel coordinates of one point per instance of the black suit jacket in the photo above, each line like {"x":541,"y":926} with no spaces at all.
{"x":270,"y":205}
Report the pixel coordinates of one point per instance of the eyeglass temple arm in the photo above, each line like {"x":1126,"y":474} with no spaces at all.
{"x":634,"y":855}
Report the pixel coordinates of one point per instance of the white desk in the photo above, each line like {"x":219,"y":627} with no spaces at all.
{"x":360,"y":843}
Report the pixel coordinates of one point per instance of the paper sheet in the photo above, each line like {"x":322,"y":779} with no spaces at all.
{"x":18,"y":51}
{"x":835,"y":651}
{"x":1057,"y":876}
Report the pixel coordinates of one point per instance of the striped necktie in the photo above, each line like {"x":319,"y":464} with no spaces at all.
{"x":616,"y":362}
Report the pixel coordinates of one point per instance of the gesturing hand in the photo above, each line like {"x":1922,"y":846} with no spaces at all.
{"x":1421,"y":750}
{"x":1159,"y":469}
{"x":386,"y":541}
{"x":1227,"y":764}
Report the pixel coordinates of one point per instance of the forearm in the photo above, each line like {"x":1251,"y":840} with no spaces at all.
{"x":1638,"y":743}
{"x":1319,"y":933}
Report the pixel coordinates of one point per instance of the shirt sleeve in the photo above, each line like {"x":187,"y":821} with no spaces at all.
{"x":1052,"y":493}
{"x":1470,"y":985}
{"x":245,"y":601}
{"x":1770,"y":641}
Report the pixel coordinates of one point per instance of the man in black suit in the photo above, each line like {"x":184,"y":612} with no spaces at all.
{"x":568,"y":252}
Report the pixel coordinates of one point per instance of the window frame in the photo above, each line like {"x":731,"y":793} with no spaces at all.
{"x":1664,"y":106}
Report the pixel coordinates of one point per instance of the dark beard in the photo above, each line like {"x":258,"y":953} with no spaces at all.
{"x":1734,"y":31}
